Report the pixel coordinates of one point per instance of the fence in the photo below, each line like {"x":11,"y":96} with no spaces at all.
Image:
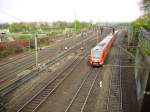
{"x":144,"y":40}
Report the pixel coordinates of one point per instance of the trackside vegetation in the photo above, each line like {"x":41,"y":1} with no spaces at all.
{"x":144,"y":22}
{"x":23,"y":34}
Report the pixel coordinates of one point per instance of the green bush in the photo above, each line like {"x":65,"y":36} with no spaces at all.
{"x":44,"y":41}
{"x":23,"y":37}
{"x":10,"y":51}
{"x":145,"y":45}
{"x":4,"y":53}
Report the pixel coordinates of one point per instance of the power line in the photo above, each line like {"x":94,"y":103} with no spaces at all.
{"x":10,"y":15}
{"x":36,"y":46}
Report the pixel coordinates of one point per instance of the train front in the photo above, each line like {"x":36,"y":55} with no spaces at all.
{"x":95,"y":57}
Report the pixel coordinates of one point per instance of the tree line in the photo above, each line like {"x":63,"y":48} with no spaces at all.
{"x":44,"y":26}
{"x":144,"y":20}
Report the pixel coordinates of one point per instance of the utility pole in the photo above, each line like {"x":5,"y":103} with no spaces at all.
{"x":82,"y":40}
{"x":36,"y":51}
{"x":75,"y":22}
{"x":97,"y":36}
{"x":30,"y":43}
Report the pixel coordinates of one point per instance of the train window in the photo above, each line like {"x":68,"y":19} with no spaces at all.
{"x":96,"y":54}
{"x":102,"y":44}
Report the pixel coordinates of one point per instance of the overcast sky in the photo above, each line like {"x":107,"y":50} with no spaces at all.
{"x":53,"y":10}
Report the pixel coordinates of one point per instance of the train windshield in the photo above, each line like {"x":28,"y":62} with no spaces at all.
{"x":96,"y":54}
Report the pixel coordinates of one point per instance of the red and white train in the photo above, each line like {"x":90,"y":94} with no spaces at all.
{"x":99,"y":52}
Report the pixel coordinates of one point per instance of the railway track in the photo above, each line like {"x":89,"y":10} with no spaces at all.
{"x":6,"y":77}
{"x":114,"y":97}
{"x":29,"y":60}
{"x":41,"y":96}
{"x":81,"y":96}
{"x":35,"y":102}
{"x":25,"y":65}
{"x":18,"y":58}
{"x":11,"y":60}
{"x":9,"y":88}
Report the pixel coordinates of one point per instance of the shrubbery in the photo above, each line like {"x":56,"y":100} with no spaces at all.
{"x":23,"y":37}
{"x":10,"y":51}
{"x":17,"y":46}
{"x":13,"y":47}
{"x":143,"y":21}
{"x":145,"y":45}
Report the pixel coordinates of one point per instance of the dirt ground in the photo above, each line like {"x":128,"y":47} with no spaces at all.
{"x":26,"y":91}
{"x":22,"y":94}
{"x":99,"y":94}
{"x":59,"y":100}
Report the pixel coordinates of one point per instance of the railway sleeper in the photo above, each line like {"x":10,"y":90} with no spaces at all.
{"x":113,"y":96}
{"x":35,"y":101}
{"x":116,"y":78}
{"x":49,"y":88}
{"x":115,"y":99}
{"x":115,"y":104}
{"x":115,"y":108}
{"x":105,"y":107}
{"x":39,"y":98}
{"x":46,"y":92}
{"x":115,"y":93}
{"x":27,"y":110}
{"x":114,"y":85}
{"x":42,"y":95}
{"x":115,"y":90}
{"x":32,"y":105}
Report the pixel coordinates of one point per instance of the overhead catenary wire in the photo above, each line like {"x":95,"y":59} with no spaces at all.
{"x":36,"y":46}
{"x":11,"y":16}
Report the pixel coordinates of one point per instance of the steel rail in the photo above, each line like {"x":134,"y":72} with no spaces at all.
{"x":44,"y":50}
{"x":114,"y":97}
{"x":14,"y":85}
{"x":83,"y":106}
{"x":44,"y":93}
{"x":80,"y":89}
{"x":88,"y":73}
{"x":29,"y":53}
{"x":27,"y":65}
